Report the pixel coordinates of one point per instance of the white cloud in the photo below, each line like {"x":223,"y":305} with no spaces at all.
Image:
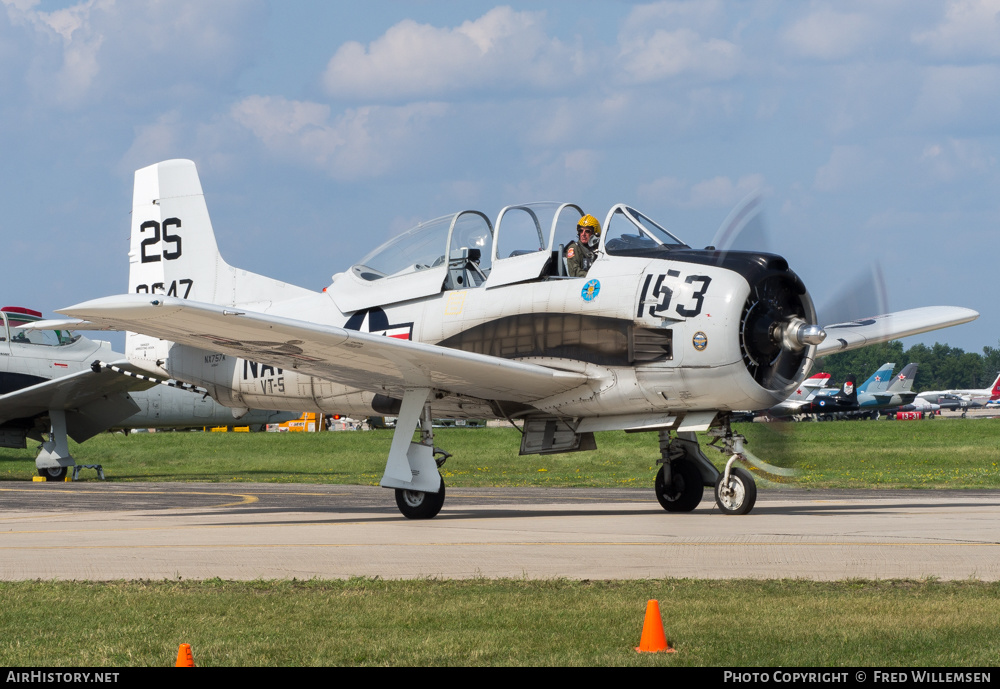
{"x":702,"y":14}
{"x":717,"y":192}
{"x":667,"y":54}
{"x":668,"y":39}
{"x":87,"y":50}
{"x":828,"y":35}
{"x":501,"y":49}
{"x":959,"y":96}
{"x":970,"y":28}
{"x":848,"y":165}
{"x":361,"y":142}
{"x":957,"y":158}
{"x":80,"y":42}
{"x":157,"y":141}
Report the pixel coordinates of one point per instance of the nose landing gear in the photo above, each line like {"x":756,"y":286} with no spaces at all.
{"x":735,"y":490}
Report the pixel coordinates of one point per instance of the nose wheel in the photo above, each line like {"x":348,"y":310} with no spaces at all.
{"x":735,"y":491}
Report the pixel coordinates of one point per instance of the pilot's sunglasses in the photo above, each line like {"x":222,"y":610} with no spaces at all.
{"x":585,"y":229}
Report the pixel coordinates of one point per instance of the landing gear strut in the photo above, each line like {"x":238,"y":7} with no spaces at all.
{"x":54,"y":459}
{"x":412,"y":468}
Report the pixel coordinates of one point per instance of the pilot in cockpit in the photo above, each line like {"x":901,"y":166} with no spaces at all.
{"x":580,"y":254}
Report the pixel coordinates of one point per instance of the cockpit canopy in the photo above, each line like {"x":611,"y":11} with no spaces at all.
{"x":16,"y":321}
{"x":628,"y":231}
{"x":461,"y":235}
{"x":463,"y":250}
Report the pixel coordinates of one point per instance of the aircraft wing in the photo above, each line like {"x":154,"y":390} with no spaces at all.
{"x":362,"y":360}
{"x":93,"y":401}
{"x":841,"y":337}
{"x":66,"y":324}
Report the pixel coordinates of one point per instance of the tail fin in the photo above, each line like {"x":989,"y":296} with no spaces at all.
{"x":849,"y":392}
{"x":173,"y":252}
{"x":904,"y":381}
{"x":879,"y":380}
{"x":995,"y":393}
{"x":173,"y":249}
{"x":817,"y":381}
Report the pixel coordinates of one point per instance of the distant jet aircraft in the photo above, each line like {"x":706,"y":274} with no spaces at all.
{"x":803,"y":394}
{"x":826,"y":405}
{"x":48,"y":388}
{"x":807,"y":396}
{"x":980,"y":396}
{"x":898,"y":390}
{"x":879,"y":381}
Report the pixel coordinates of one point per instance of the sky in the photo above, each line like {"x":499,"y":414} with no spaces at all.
{"x":322,"y":128}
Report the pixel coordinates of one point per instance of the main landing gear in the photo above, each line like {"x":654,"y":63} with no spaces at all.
{"x":679,"y":483}
{"x":685,"y":471}
{"x":54,"y":460}
{"x":412,"y":468}
{"x":418,"y":504}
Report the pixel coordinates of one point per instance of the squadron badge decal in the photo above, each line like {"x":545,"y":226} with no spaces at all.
{"x":591,"y":290}
{"x":700,"y":341}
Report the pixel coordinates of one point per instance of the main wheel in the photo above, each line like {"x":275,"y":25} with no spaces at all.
{"x":416,"y":504}
{"x":686,"y":489}
{"x":738,"y":495}
{"x":53,"y":473}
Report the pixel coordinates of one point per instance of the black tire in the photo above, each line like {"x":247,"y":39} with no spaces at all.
{"x":744,"y":492}
{"x":686,"y":490}
{"x":53,"y":474}
{"x":415,"y":504}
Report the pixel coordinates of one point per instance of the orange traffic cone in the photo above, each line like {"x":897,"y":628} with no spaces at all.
{"x":184,"y":657}
{"x":653,"y":639}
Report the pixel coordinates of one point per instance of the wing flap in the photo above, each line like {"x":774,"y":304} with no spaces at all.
{"x":357,"y":359}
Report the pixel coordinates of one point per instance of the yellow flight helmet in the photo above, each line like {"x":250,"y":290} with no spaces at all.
{"x":591,"y":222}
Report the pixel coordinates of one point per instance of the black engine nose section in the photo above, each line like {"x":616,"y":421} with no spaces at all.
{"x":777,"y":297}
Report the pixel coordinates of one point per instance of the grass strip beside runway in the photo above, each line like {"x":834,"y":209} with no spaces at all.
{"x":944,"y":453}
{"x":506,"y":622}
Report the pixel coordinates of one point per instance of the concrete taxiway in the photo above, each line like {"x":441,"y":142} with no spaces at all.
{"x":91,"y":531}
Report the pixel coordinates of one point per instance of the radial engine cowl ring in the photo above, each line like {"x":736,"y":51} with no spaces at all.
{"x":777,"y":335}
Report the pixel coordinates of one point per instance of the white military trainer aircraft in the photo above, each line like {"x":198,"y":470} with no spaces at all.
{"x":52,"y":388}
{"x":462,"y":318}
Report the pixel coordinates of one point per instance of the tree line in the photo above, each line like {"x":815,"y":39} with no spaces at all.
{"x":941,"y":367}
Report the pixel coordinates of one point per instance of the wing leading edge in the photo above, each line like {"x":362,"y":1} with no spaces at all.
{"x":841,"y":337}
{"x":357,"y":359}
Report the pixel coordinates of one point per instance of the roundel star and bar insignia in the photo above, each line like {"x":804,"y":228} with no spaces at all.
{"x":591,"y":290}
{"x":700,"y":341}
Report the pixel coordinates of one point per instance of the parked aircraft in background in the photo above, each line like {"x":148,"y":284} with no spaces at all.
{"x":896,"y":393}
{"x":880,"y":390}
{"x":978,"y":396}
{"x":921,"y":405}
{"x":845,"y":400}
{"x":878,"y":381}
{"x":803,"y":394}
{"x":459,"y":318}
{"x":48,"y":388}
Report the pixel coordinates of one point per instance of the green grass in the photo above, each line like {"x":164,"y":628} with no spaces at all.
{"x":505,"y":622}
{"x":516,"y":622}
{"x":944,"y":453}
